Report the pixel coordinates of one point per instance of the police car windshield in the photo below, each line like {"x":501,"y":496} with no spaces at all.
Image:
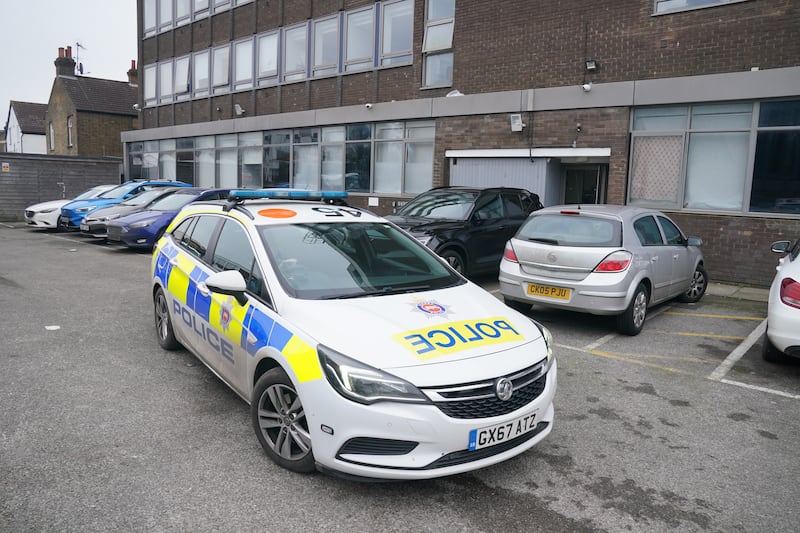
{"x":350,"y":260}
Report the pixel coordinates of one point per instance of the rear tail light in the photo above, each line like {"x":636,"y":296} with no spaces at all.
{"x":615,"y":262}
{"x":508,"y":253}
{"x":790,"y":292}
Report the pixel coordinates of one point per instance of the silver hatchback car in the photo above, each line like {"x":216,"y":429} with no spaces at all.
{"x":603,"y":260}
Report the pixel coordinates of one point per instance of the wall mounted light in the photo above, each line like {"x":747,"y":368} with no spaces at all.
{"x":516,"y":122}
{"x":591,"y":64}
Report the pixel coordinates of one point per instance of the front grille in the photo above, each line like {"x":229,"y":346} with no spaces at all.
{"x":113,"y":233}
{"x":478,"y":400}
{"x":373,"y":446}
{"x":466,"y":456}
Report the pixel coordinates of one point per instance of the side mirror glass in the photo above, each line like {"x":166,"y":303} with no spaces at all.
{"x":781,"y":247}
{"x":694,"y":241}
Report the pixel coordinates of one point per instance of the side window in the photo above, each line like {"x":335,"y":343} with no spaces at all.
{"x":671,"y":231}
{"x":196,"y":241}
{"x":234,"y":252}
{"x":647,"y":231}
{"x":515,"y":208}
{"x":182,"y":229}
{"x":490,"y":208}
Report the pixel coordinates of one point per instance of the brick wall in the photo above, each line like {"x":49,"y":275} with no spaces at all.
{"x":737,"y":248}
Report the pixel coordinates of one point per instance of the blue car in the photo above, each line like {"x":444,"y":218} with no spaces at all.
{"x":143,"y":228}
{"x":73,"y":212}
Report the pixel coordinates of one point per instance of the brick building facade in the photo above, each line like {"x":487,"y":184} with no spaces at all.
{"x":692,"y":107}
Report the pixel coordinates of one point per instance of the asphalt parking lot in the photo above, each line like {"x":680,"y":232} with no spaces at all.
{"x":683,"y":427}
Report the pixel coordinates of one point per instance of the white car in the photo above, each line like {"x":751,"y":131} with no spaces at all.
{"x":360,"y":351}
{"x":782,"y":339}
{"x":47,"y":214}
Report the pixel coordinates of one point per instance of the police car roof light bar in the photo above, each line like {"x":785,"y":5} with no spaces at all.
{"x":238,"y":196}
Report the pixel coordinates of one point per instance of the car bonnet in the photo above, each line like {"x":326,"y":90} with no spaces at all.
{"x":464,"y":332}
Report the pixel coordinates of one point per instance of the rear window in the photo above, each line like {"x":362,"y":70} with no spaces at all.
{"x":572,"y":230}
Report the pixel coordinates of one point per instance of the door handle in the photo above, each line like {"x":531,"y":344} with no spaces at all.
{"x":654,"y":259}
{"x":676,"y":256}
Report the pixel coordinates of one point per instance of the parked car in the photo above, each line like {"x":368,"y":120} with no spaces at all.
{"x":603,"y":260}
{"x":72,"y":213}
{"x":782,"y":338}
{"x":47,"y":215}
{"x":94,"y":224}
{"x":467,"y":226}
{"x":359,"y":350}
{"x":143,"y":228}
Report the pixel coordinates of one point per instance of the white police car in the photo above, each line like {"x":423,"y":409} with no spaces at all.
{"x":359,"y":350}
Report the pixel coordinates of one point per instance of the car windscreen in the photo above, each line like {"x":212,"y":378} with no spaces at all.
{"x":349,"y":260}
{"x":572,"y":230}
{"x":172,"y":202}
{"x":116,"y":192}
{"x":91,"y":193}
{"x":144,"y":198}
{"x":450,"y":205}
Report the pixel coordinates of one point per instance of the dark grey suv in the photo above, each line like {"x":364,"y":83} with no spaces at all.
{"x":468,"y":226}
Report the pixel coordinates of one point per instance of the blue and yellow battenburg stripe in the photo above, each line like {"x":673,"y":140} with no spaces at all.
{"x":246,"y":326}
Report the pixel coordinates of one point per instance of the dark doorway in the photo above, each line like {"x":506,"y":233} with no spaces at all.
{"x":585,"y":184}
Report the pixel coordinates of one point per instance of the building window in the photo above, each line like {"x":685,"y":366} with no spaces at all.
{"x":437,"y":45}
{"x":183,"y":12}
{"x":669,"y":6}
{"x":326,"y":46}
{"x":295,"y":52}
{"x":52,"y":132}
{"x":277,"y":158}
{"x":69,"y":131}
{"x":220,"y":69}
{"x":182,"y":78}
{"x":164,"y":15}
{"x":267,"y":69}
{"x":221,"y":5}
{"x":165,"y":82}
{"x":698,"y":157}
{"x":150,"y":17}
{"x":200,"y":74}
{"x":359,"y":40}
{"x":150,"y":76}
{"x":243,"y":64}
{"x":200,"y":9}
{"x":397,"y":27}
{"x":776,"y":170}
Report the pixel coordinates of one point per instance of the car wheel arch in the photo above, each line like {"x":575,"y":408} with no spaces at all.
{"x":266,"y":364}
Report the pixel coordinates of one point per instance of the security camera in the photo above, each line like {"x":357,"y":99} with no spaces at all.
{"x":586,"y":87}
{"x":368,"y":106}
{"x":136,"y":107}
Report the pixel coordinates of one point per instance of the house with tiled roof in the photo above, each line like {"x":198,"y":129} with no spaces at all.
{"x":85,"y":116}
{"x":25,"y":128}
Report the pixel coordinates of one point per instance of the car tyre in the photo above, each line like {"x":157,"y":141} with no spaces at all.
{"x":770,"y":353}
{"x":455,"y":260}
{"x":516,"y":305}
{"x":697,"y":288}
{"x":164,"y":331}
{"x":280,"y":422}
{"x":632,"y":320}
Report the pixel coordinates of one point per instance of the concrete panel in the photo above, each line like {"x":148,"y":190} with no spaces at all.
{"x":574,"y":97}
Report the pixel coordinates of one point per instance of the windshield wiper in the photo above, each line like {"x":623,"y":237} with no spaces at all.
{"x":543,"y":240}
{"x":384,"y":291}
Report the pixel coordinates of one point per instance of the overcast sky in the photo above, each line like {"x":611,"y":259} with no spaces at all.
{"x":31,"y":32}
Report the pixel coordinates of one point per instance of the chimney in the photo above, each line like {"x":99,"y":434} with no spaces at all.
{"x":65,"y":65}
{"x":133,"y":75}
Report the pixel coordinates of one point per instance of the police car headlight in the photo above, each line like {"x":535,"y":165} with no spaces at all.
{"x":364,"y":384}
{"x":143,"y":223}
{"x":548,"y":342}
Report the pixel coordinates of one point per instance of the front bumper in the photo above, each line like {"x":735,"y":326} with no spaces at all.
{"x":93,"y":228}
{"x":130,"y":237}
{"x":401,"y":441}
{"x":42,"y":220}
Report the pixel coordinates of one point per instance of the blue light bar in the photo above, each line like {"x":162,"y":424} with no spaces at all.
{"x":290,"y":194}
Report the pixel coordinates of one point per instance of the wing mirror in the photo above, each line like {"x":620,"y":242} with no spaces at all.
{"x":694,"y":241}
{"x":228,"y":282}
{"x":781,"y":247}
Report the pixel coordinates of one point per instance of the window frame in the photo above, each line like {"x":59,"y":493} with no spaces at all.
{"x":394,"y":57}
{"x":247,"y":82}
{"x":325,"y":69}
{"x":300,"y":73}
{"x":353,"y":64}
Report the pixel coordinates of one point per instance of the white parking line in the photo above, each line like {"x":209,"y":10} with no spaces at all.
{"x":761,"y":389}
{"x":738,"y":352}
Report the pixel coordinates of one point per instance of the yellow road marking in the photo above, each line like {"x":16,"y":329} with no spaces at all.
{"x":642,"y":363}
{"x":710,"y":335}
{"x":708,"y":315}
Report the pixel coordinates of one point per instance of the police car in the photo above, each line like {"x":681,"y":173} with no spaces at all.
{"x":360,"y":351}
